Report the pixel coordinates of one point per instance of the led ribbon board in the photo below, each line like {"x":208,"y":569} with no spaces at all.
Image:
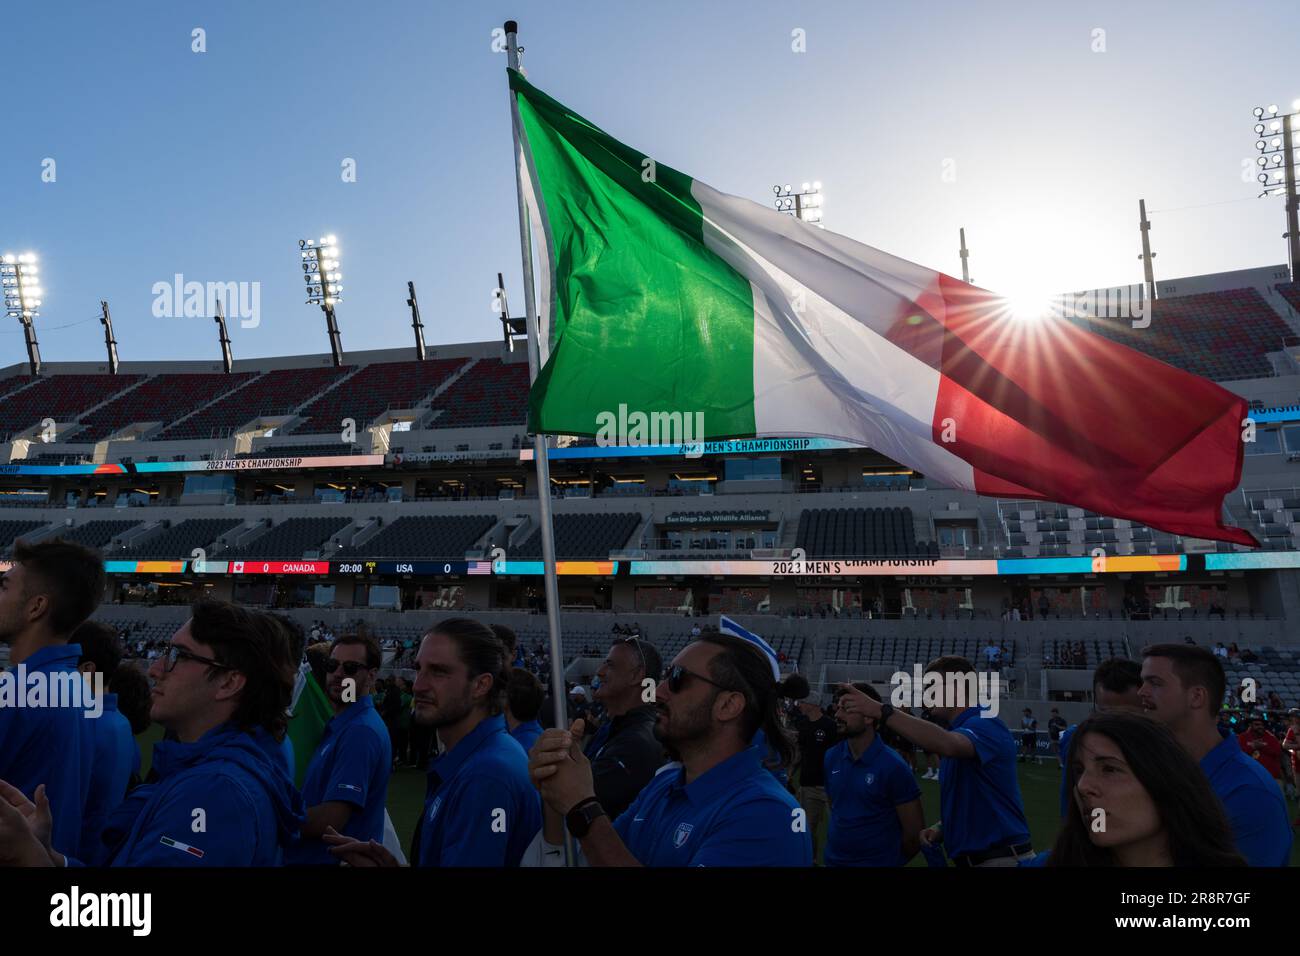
{"x":216,"y":464}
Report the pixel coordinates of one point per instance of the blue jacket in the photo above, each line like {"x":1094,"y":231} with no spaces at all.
{"x":115,"y":754}
{"x":223,"y":800}
{"x":49,"y":745}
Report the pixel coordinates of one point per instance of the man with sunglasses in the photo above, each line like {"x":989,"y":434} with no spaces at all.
{"x":624,"y":753}
{"x":220,"y":795}
{"x":346,"y":785}
{"x":720,"y":807}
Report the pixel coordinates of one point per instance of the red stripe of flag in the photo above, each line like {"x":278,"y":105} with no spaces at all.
{"x":1045,"y":409}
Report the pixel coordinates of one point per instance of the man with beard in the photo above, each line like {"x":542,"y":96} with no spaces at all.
{"x":346,"y":784}
{"x":624,"y":753}
{"x":876,"y":815}
{"x":720,"y":807}
{"x":479,"y":809}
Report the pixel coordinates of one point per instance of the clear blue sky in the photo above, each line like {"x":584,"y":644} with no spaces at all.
{"x":214,"y":164}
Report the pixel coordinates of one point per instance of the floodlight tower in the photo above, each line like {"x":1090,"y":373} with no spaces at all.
{"x":805,"y":204}
{"x":22,"y":294}
{"x":1276,"y":162}
{"x":320,"y":262}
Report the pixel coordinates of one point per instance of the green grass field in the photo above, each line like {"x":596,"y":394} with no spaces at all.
{"x":1039,"y":788}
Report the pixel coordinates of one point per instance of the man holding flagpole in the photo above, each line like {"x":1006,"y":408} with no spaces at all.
{"x":718,"y":807}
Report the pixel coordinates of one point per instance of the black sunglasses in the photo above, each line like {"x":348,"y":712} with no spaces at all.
{"x":177,"y":653}
{"x":350,"y":668}
{"x":677,"y":675}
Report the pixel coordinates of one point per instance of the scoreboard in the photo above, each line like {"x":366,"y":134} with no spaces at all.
{"x":422,"y":568}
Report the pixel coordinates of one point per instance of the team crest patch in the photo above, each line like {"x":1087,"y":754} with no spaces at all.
{"x":871,"y":778}
{"x":682,"y":835}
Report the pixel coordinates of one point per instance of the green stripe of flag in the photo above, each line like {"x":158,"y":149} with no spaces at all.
{"x":642,"y":313}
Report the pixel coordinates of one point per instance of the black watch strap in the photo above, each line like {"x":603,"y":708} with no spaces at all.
{"x":582,"y":816}
{"x":886,"y":711}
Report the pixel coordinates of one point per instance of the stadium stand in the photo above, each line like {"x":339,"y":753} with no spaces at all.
{"x":278,"y":392}
{"x":489,"y":393}
{"x":97,"y":534}
{"x":163,"y":398}
{"x":375,"y":389}
{"x":10,"y":531}
{"x":178,"y":541}
{"x":423,"y":537}
{"x":1290,"y":291}
{"x":861,"y":533}
{"x":60,"y":397}
{"x":1222,"y":336}
{"x":301,"y":451}
{"x":590,"y":536}
{"x":290,"y":539}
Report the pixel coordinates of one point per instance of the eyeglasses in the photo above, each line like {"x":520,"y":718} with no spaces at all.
{"x":677,"y":677}
{"x":350,"y":668}
{"x":177,"y":653}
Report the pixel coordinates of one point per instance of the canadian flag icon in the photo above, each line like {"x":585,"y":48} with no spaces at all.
{"x":237,"y":567}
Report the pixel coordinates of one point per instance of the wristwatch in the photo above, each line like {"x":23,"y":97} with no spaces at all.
{"x":886,"y":711}
{"x":582,"y":816}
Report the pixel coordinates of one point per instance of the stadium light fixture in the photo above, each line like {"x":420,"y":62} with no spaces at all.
{"x":805,"y":204}
{"x":1277,"y":156}
{"x":324,"y":283}
{"x":20,"y":285}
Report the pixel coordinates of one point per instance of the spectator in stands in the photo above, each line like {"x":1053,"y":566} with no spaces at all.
{"x":479,"y":809}
{"x":221,"y":692}
{"x":1233,"y":653}
{"x":1275,"y":702}
{"x":1291,"y":745}
{"x":346,"y":785}
{"x":524,"y":697}
{"x":721,"y":808}
{"x":1156,"y":803}
{"x":49,"y":589}
{"x":1220,"y":651}
{"x":875,"y":805}
{"x":1217,"y":609}
{"x":1044,"y":605}
{"x":1183,"y":688}
{"x":816,"y":732}
{"x":983,"y":818}
{"x":1028,"y":735}
{"x":992,"y":654}
{"x":624,"y":752}
{"x":1248,"y":656}
{"x":1262,"y":746}
{"x":113,"y":744}
{"x":579,"y":702}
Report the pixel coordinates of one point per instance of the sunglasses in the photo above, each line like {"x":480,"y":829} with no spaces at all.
{"x":350,"y":668}
{"x":677,"y":677}
{"x":177,"y":653}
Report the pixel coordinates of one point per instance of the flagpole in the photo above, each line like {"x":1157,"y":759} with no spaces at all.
{"x":540,"y":442}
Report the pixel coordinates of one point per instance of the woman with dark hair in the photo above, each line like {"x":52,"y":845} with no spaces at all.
{"x":1139,"y":800}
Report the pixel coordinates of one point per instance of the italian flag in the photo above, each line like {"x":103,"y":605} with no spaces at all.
{"x":662,"y":294}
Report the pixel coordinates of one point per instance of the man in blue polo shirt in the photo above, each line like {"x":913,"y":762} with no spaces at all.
{"x":719,"y":806}
{"x":876,"y":816}
{"x":44,"y":596}
{"x":1115,"y":685}
{"x":346,"y":785}
{"x":114,"y":744}
{"x":983,"y":819}
{"x":1182,"y":687}
{"x":480,"y":809}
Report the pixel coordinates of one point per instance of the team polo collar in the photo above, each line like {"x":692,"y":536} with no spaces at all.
{"x":446,"y":765}
{"x":350,"y":714}
{"x":721,"y":779}
{"x":867,"y":755}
